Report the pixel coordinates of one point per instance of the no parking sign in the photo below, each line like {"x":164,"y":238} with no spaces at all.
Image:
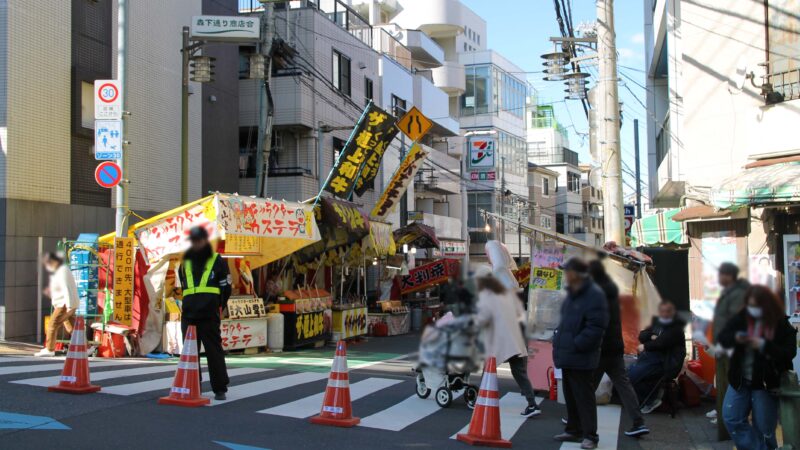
{"x":108,"y":174}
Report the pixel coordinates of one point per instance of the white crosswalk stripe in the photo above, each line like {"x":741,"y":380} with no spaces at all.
{"x":242,"y":391}
{"x":511,"y":405}
{"x":11,"y":370}
{"x":607,"y":428}
{"x":403,"y":414}
{"x":165,"y":383}
{"x":308,"y":406}
{"x":6,"y":359}
{"x":104,"y":375}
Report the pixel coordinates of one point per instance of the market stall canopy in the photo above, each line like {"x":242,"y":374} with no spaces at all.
{"x":759,"y":185}
{"x":700,"y":212}
{"x":342,"y":224}
{"x":659,"y":229}
{"x":257,"y":229}
{"x":416,"y":235}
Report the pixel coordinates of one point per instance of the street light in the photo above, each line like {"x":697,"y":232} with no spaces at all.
{"x":203,"y":69}
{"x":576,"y":85}
{"x":554,"y":63}
{"x":257,"y":67}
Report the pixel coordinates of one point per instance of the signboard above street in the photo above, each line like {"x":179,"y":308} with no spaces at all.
{"x":107,"y":99}
{"x":415,"y":215}
{"x":483,"y":176}
{"x":482,"y":152}
{"x":630,"y":215}
{"x":108,"y":139}
{"x":226,"y":28}
{"x":414,"y":124}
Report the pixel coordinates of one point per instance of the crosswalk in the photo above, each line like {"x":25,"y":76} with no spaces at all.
{"x":403,"y":411}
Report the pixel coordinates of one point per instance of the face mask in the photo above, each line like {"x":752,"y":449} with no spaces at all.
{"x":50,"y":269}
{"x":754,"y":311}
{"x":664,"y":321}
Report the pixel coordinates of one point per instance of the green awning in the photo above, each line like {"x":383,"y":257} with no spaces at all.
{"x":777,"y":183}
{"x":657,"y":230}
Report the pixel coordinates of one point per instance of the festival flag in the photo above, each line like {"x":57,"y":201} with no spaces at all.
{"x":400,"y":180}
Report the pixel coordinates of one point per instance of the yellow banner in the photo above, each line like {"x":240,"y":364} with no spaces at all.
{"x":546,"y":278}
{"x":124,"y":256}
{"x":399,"y":183}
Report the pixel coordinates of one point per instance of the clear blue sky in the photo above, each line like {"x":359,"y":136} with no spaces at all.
{"x":520,"y":31}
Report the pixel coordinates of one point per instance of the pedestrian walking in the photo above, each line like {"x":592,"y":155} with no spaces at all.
{"x":206,"y":287}
{"x":501,"y":316}
{"x":612,"y":352}
{"x":730,"y":302}
{"x":764,"y":344}
{"x":662,"y":349}
{"x":63,"y":293}
{"x":576,"y":351}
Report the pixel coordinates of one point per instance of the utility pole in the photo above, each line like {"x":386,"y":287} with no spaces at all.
{"x":502,"y":224}
{"x":404,"y":198}
{"x":121,"y":191}
{"x":264,"y":144}
{"x":185,"y":117}
{"x":464,"y":209}
{"x":638,"y":169}
{"x":608,"y":102}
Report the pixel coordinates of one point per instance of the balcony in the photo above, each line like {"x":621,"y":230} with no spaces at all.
{"x":446,"y":227}
{"x":555,"y":156}
{"x":427,"y":181}
{"x":450,"y":78}
{"x":387,"y":44}
{"x":292,"y":96}
{"x":434,"y":104}
{"x":424,"y":50}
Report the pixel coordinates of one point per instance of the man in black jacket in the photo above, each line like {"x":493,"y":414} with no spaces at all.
{"x":576,"y":351}
{"x":612,"y":351}
{"x":662,"y":349}
{"x":206,"y":287}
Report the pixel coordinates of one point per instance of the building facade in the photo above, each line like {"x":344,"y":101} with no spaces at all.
{"x":542,"y":183}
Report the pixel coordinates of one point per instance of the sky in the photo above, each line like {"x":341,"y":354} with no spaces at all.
{"x":520,"y":31}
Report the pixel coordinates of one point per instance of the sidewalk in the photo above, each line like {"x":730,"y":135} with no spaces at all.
{"x":18,"y":348}
{"x":690,"y":429}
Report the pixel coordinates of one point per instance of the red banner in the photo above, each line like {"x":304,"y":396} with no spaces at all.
{"x":429,"y":275}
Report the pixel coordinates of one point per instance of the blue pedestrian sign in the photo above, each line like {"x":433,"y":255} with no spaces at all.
{"x":107,"y":139}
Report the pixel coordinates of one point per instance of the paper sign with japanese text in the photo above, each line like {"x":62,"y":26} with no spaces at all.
{"x":239,"y":244}
{"x":546,"y":278}
{"x":246,"y":308}
{"x":124,"y":257}
{"x":359,"y":160}
{"x":247,"y":333}
{"x":429,"y":275}
{"x":400,"y":181}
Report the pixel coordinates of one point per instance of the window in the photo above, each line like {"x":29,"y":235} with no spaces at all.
{"x":573,"y":182}
{"x":87,"y":105}
{"x":478,"y":201}
{"x":476,"y":97}
{"x":341,"y":73}
{"x":545,"y":222}
{"x":338,"y":146}
{"x":368,"y":90}
{"x":465,"y":46}
{"x":479,"y":39}
{"x":545,"y":186}
{"x":398,"y":106}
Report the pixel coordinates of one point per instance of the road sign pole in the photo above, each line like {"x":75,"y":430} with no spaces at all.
{"x":121,"y":191}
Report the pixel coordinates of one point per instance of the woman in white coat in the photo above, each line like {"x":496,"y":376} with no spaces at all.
{"x":500,"y":315}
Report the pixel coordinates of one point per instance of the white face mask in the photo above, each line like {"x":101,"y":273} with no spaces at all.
{"x":755,"y":312}
{"x":50,"y":269}
{"x":664,"y":321}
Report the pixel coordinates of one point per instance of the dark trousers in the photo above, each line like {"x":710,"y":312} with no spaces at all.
{"x":208,"y":333}
{"x":645,"y":375}
{"x":614,"y":366}
{"x":519,"y":370}
{"x":581,"y":403}
{"x":721,"y":380}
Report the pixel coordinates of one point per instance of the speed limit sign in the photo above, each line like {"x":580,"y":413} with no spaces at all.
{"x":107,"y":99}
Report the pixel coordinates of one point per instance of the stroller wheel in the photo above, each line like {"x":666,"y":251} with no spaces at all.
{"x":423,"y":391}
{"x":471,"y":395}
{"x":443,"y":397}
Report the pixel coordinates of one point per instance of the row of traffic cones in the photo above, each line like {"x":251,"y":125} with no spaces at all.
{"x":484,"y":428}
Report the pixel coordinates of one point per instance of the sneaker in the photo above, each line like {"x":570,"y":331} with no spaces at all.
{"x":714,"y":421}
{"x":637,"y":430}
{"x":564,"y":420}
{"x":567,"y":437}
{"x":220,"y":396}
{"x":712,"y":414}
{"x":588,"y":444}
{"x":652,"y":406}
{"x":44,"y":353}
{"x":531,"y":411}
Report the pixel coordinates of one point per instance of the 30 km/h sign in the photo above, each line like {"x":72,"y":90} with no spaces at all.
{"x":414,"y":124}
{"x":107,"y":99}
{"x":108,"y":174}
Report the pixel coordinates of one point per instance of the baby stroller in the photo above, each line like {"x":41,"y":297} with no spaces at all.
{"x":448,"y":353}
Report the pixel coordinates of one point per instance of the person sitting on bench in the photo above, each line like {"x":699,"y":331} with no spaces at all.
{"x":661,"y":353}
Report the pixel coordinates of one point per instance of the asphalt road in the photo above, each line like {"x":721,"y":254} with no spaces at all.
{"x":269,"y":400}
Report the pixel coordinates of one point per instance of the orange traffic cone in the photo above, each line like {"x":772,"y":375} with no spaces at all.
{"x":75,"y":375}
{"x":484,"y":428}
{"x":336,"y":409}
{"x":185,"y":389}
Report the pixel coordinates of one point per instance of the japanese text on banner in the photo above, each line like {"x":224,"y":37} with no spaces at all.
{"x":400,"y":180}
{"x":124,"y":256}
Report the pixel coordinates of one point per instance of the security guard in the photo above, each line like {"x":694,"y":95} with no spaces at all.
{"x":206,"y":288}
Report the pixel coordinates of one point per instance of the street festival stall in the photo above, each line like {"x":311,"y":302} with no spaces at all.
{"x":248,"y":232}
{"x":628,"y":269}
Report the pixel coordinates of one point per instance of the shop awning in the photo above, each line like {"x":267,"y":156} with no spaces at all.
{"x":429,"y":275}
{"x":416,"y":235}
{"x":659,"y":229}
{"x":700,"y":212}
{"x":342,"y":224}
{"x":759,"y":185}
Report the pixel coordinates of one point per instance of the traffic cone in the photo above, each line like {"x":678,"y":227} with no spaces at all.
{"x":484,"y":428}
{"x":185,"y":389}
{"x":336,"y":408}
{"x":75,"y":375}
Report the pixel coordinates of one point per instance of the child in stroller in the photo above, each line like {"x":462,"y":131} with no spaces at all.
{"x":449,"y":351}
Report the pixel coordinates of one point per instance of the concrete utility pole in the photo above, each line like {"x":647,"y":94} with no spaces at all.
{"x":502,"y":223}
{"x":185,"y":53}
{"x":464,"y":209}
{"x":638,"y":169}
{"x":264,"y":144}
{"x":121,"y":191}
{"x":608,"y":103}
